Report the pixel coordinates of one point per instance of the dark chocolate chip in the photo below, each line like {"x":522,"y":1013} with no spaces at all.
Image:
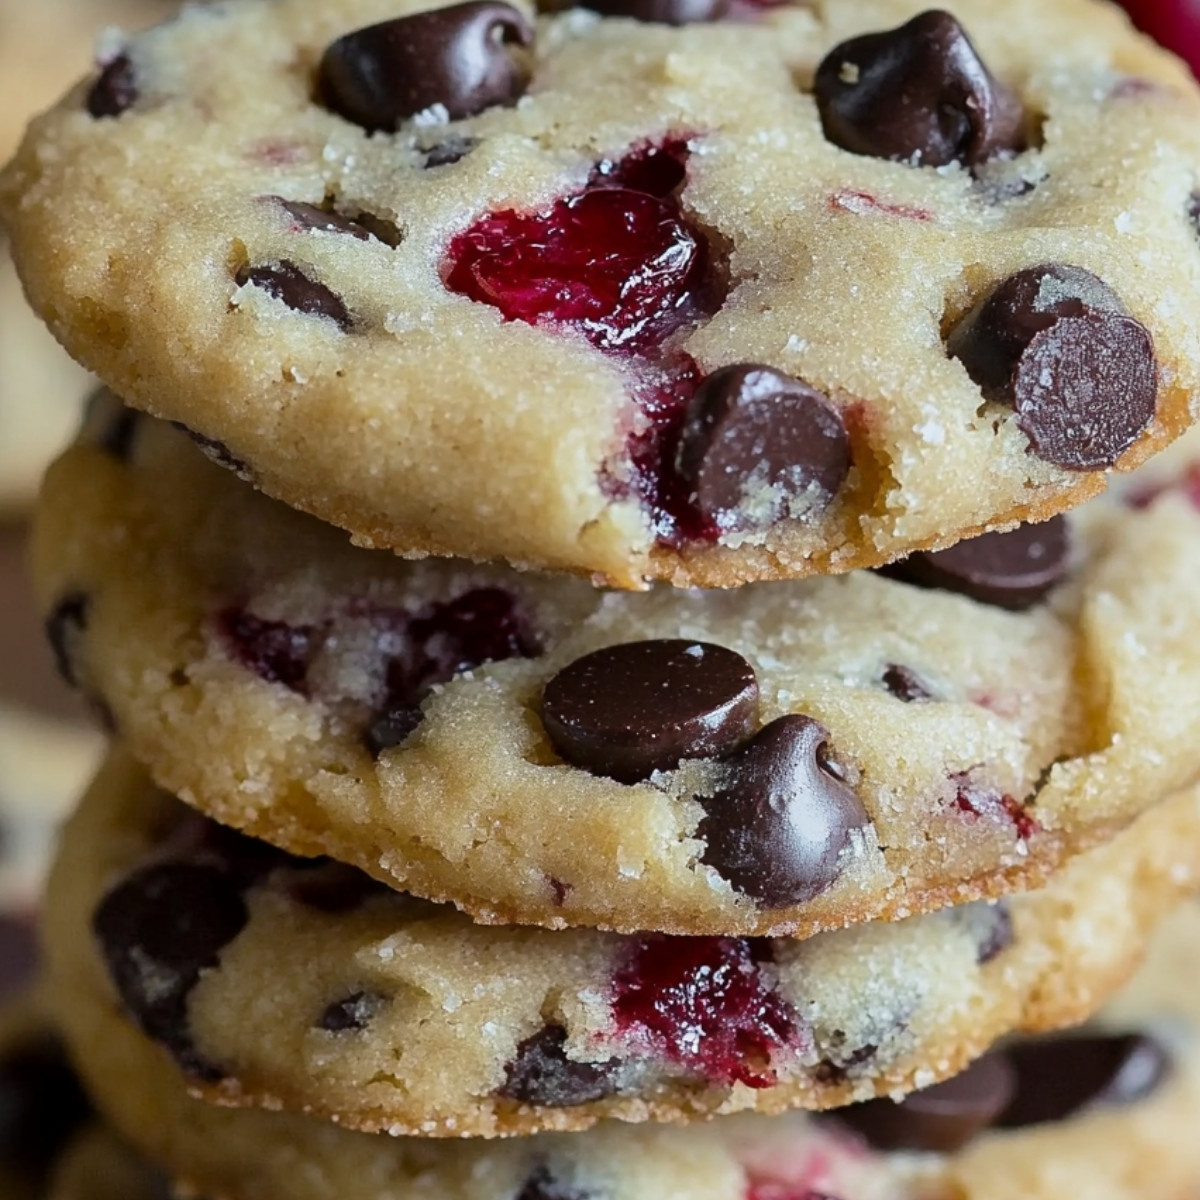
{"x":448,"y":151}
{"x":543,"y":1074}
{"x":1058,"y":1076}
{"x":1012,"y":570}
{"x":461,"y":57}
{"x":64,"y":627}
{"x":41,"y":1105}
{"x":661,"y":12}
{"x":835,"y":1070}
{"x":291,"y":286}
{"x":1055,"y":343}
{"x":905,"y":684}
{"x":115,"y":90}
{"x":758,"y":445}
{"x":542,"y":1185}
{"x":1193,"y":210}
{"x":159,"y":930}
{"x":776,"y":828}
{"x":938,"y":1119}
{"x":353,"y":1013}
{"x":919,"y":93}
{"x":216,"y":452}
{"x":274,"y":650}
{"x":392,"y":727}
{"x":629,"y":710}
{"x":334,"y":887}
{"x":311,"y":216}
{"x":996,"y":933}
{"x":18,"y":954}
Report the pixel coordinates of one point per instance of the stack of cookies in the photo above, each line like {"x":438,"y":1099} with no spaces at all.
{"x":596,"y":560}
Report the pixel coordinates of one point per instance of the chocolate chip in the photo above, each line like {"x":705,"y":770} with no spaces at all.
{"x":274,"y":650}
{"x":333,"y":887}
{"x":629,"y":710}
{"x":392,"y":727}
{"x":1058,"y":1076}
{"x":18,"y":954}
{"x":543,"y":1074}
{"x":41,"y":1105}
{"x":995,"y":932}
{"x":542,"y":1185}
{"x":159,"y":930}
{"x":115,"y":90}
{"x":836,"y":1069}
{"x":216,"y":452}
{"x":758,"y":445}
{"x":905,"y":684}
{"x":448,"y":151}
{"x":108,"y":424}
{"x":1012,"y":570}
{"x":64,"y":627}
{"x":289,"y":285}
{"x":310,"y":216}
{"x":1055,"y":343}
{"x":353,"y":1013}
{"x":939,"y":1119}
{"x":460,"y":58}
{"x":919,"y":93}
{"x":662,"y":12}
{"x":776,"y":828}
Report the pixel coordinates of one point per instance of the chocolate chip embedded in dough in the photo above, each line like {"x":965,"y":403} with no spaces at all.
{"x":1012,"y":570}
{"x":759,"y":445}
{"x":542,"y":1073}
{"x":782,"y":817}
{"x":115,"y":91}
{"x":662,"y":12}
{"x":918,"y":93}
{"x":464,"y":58}
{"x":632,"y":709}
{"x":291,"y":286}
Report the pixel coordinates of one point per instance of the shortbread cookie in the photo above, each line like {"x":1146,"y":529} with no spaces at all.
{"x":791,"y":290}
{"x":1123,"y":1127}
{"x":835,"y":749}
{"x":303,"y":984}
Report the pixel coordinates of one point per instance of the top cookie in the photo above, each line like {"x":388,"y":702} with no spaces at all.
{"x":748,"y":297}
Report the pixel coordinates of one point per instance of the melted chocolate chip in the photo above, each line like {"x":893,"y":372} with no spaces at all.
{"x":905,"y":684}
{"x":115,"y":91}
{"x":159,"y":930}
{"x":353,"y":1013}
{"x":460,"y":57}
{"x":629,"y":710}
{"x":1058,"y":1076}
{"x":64,"y":627}
{"x":542,"y":1073}
{"x":1012,"y":570}
{"x":542,"y":1185}
{"x":783,"y":816}
{"x":662,"y":12}
{"x":919,"y":93}
{"x":758,"y":445}
{"x":1056,"y":344}
{"x":41,"y":1105}
{"x":289,"y":285}
{"x":310,"y":216}
{"x":939,"y":1119}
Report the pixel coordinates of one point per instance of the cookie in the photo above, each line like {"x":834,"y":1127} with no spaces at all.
{"x":498,"y":739}
{"x":302,"y":984}
{"x":1125,"y":1129}
{"x":99,"y":1166}
{"x":670,"y":298}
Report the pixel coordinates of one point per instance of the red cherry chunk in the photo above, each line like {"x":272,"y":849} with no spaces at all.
{"x":995,"y":806}
{"x":618,"y":265}
{"x":273,"y":650}
{"x":705,"y":1004}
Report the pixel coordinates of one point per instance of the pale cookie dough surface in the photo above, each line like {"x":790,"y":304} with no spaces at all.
{"x":326,"y":993}
{"x":420,"y":419}
{"x":1144,"y":1149}
{"x":247,"y":653}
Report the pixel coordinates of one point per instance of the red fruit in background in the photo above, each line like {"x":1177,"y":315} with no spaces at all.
{"x":1174,"y":23}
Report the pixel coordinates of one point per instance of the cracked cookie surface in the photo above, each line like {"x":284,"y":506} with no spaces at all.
{"x":835,"y":749}
{"x":630,"y":299}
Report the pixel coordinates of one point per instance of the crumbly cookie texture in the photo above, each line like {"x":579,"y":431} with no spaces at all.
{"x":1095,"y":1113}
{"x":629,"y":299}
{"x":835,"y":749}
{"x":303,"y":984}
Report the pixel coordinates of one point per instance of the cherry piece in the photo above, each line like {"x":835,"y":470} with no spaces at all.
{"x":274,"y":650}
{"x":705,"y":1004}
